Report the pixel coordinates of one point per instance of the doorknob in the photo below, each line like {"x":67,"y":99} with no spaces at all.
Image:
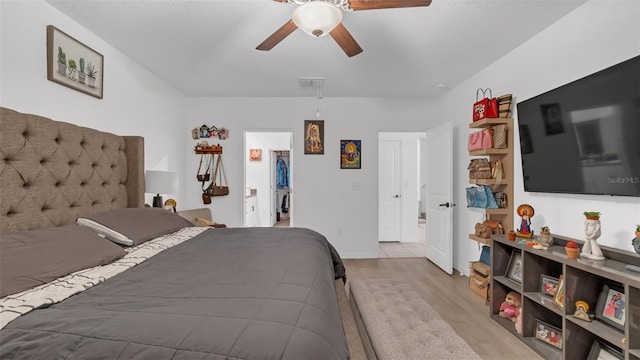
{"x":447,"y":204}
{"x":396,"y":196}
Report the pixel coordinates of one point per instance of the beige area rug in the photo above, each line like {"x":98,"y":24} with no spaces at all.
{"x":401,"y":325}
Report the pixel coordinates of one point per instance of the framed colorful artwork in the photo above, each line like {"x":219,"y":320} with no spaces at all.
{"x":314,"y":137}
{"x":350,"y":154}
{"x":255,"y":154}
{"x":73,"y":64}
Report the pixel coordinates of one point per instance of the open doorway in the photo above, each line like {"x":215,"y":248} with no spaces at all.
{"x":401,"y":194}
{"x":263,"y":198}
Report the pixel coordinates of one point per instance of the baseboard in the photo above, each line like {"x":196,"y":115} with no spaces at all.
{"x":358,"y":255}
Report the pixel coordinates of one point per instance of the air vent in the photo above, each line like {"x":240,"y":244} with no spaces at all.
{"x":311,"y":82}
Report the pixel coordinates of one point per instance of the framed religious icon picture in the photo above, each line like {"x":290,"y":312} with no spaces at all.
{"x":314,"y":137}
{"x":350,"y":154}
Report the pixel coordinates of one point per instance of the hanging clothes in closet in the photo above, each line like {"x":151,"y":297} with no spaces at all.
{"x":283,"y":173}
{"x":285,"y":203}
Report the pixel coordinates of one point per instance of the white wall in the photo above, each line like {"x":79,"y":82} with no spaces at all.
{"x":258,"y":173}
{"x":596,"y":35}
{"x":341,"y":204}
{"x":135,"y":102}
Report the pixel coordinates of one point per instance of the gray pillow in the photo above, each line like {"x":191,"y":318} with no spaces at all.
{"x":133,"y":226}
{"x":32,"y":258}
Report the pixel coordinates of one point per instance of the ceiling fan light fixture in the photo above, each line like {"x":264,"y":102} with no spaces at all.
{"x":317,"y":18}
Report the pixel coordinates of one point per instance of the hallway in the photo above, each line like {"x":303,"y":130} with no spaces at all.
{"x":406,"y":250}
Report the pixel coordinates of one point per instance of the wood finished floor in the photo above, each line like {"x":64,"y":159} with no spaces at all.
{"x":465,"y":311}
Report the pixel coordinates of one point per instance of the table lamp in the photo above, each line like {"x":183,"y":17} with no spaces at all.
{"x":160,"y":182}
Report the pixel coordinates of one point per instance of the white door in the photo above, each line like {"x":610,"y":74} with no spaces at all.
{"x":389,"y":190}
{"x":440,"y":196}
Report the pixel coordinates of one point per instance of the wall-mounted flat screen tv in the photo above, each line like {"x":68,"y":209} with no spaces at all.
{"x":584,"y":137}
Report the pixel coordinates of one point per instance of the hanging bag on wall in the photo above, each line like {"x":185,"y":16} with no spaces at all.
{"x":217,"y":188}
{"x":487,"y":107}
{"x":206,"y":190}
{"x":206,"y":176}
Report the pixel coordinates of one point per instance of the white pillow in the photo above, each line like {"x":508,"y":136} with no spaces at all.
{"x":105,"y":231}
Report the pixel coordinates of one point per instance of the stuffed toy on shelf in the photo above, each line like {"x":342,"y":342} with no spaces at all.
{"x":510,"y":307}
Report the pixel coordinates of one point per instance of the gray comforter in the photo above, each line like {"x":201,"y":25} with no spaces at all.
{"x":225,"y":294}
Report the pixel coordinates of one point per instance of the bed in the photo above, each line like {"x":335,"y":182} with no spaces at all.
{"x":86,"y":272}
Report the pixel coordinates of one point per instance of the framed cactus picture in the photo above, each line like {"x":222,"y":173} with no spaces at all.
{"x":73,"y":64}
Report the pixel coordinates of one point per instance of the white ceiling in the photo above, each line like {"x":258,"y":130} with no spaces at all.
{"x":207,"y":47}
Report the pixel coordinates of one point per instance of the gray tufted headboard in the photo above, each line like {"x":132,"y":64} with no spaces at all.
{"x":51,"y":172}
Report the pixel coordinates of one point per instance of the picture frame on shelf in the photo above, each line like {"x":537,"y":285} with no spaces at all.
{"x":611,"y":306}
{"x":548,"y":285}
{"x":603,"y":351}
{"x":558,"y":299}
{"x":514,"y":269}
{"x":548,"y":334}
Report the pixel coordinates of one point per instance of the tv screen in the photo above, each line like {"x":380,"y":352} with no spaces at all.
{"x":584,"y":137}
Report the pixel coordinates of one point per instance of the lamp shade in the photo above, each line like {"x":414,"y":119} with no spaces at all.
{"x":317,"y":18}
{"x":160,"y":182}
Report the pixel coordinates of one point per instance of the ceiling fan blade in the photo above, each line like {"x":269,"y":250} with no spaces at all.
{"x":342,"y":36}
{"x":385,"y":4}
{"x":279,"y":35}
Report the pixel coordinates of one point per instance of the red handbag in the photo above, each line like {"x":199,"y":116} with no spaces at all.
{"x":485,"y":108}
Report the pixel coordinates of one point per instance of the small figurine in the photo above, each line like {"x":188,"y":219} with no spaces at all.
{"x":510,"y":307}
{"x":591,"y":249}
{"x":525,"y":211}
{"x":582,"y":311}
{"x":636,"y":246}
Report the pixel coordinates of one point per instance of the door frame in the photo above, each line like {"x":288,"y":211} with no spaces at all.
{"x":409,"y":185}
{"x":267,"y":154}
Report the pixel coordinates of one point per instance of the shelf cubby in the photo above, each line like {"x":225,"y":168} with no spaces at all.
{"x":536,"y":312}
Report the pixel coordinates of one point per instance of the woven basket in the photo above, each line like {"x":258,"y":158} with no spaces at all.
{"x":504,"y":106}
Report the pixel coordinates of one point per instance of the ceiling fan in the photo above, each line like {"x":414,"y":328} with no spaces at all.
{"x":321,"y":17}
